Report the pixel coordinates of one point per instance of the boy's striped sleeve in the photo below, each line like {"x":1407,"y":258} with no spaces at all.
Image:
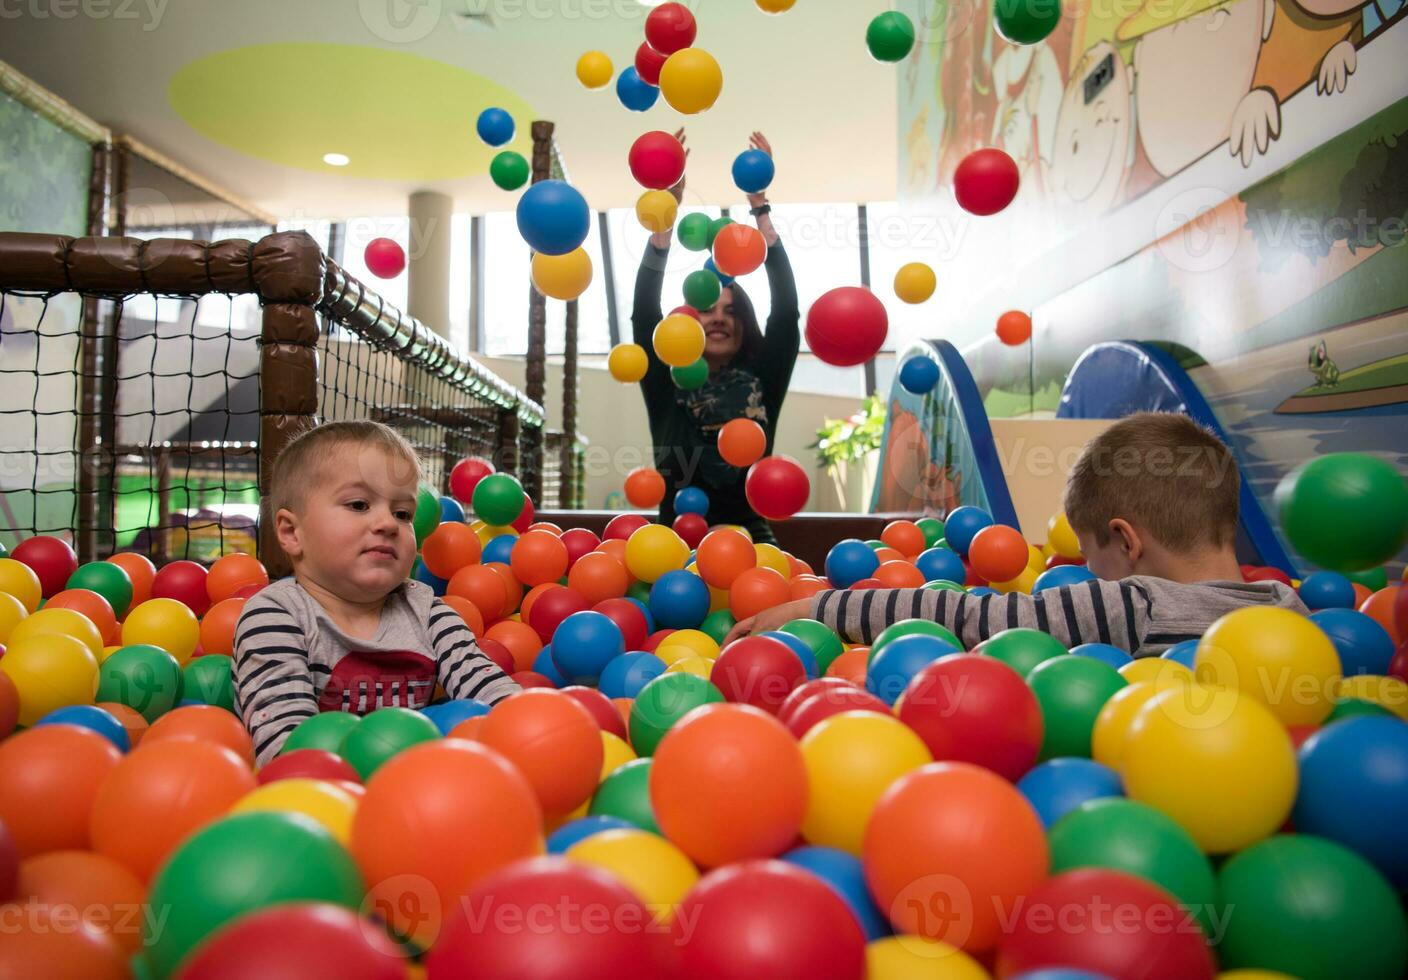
{"x":462,"y":669}
{"x":273,"y":680}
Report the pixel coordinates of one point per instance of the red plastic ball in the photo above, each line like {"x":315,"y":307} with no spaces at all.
{"x":50,"y":558}
{"x":1014,"y":328}
{"x":777,"y":487}
{"x":656,"y":158}
{"x":758,"y":670}
{"x":530,"y":679}
{"x":829,"y":702}
{"x":654,"y":640}
{"x":384,"y":258}
{"x":1268,"y":575}
{"x":1056,"y":560}
{"x":579,"y":542}
{"x":303,"y":939}
{"x":466,"y":476}
{"x":629,"y":618}
{"x":691,"y":528}
{"x":687,"y":310}
{"x":9,"y":863}
{"x":648,"y":64}
{"x":986,"y":181}
{"x":861,"y":585}
{"x":183,"y":581}
{"x":552,"y":607}
{"x":1398,"y":666}
{"x":498,"y":653}
{"x":524,"y":521}
{"x":1155,"y":938}
{"x":307,"y":764}
{"x":599,"y":706}
{"x":670,"y":27}
{"x":847,"y":326}
{"x":622,"y":526}
{"x":972,"y":708}
{"x":999,"y":553}
{"x":805,"y":692}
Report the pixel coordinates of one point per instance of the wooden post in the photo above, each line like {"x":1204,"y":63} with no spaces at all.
{"x":567,"y":489}
{"x":94,"y":449}
{"x":535,"y":366}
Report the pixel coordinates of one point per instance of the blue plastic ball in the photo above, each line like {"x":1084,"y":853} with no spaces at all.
{"x":93,"y":718}
{"x":495,"y":126}
{"x":645,"y":610}
{"x":451,"y":511}
{"x":798,"y":646}
{"x":1055,"y":578}
{"x":553,"y":217}
{"x":1060,"y":973}
{"x":634,"y":92}
{"x":1104,"y":652}
{"x":849,"y":561}
{"x":753,"y":171}
{"x":679,"y":600}
{"x":422,"y":574}
{"x":723,"y":279}
{"x":691,"y":500}
{"x":1327,"y":590}
{"x":982,"y":590}
{"x":941,"y":563}
{"x":962,"y":525}
{"x":1363,"y":645}
{"x":580,"y":829}
{"x":845,"y":875}
{"x":499,"y":549}
{"x":1185,"y":653}
{"x":448,"y":714}
{"x":627,"y":674}
{"x":1354,"y":790}
{"x":544,"y":664}
{"x":919,"y":374}
{"x":892,"y":669}
{"x":583,"y":644}
{"x":1057,"y":787}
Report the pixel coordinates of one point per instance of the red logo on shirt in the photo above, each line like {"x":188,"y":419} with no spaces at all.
{"x":364,"y":681}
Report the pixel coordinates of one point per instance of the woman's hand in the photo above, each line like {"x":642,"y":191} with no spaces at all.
{"x":769,"y":619}
{"x":759,"y":142}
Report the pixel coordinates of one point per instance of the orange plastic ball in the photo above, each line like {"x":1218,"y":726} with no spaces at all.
{"x":739,"y":249}
{"x":519,"y":639}
{"x":616,"y":548}
{"x":887,"y":553}
{"x":899,"y":574}
{"x":1378,"y":607}
{"x":141,"y":571}
{"x":482,"y":586}
{"x":231,"y":573}
{"x":806,"y":586}
{"x":724,"y":555}
{"x":905,"y":537}
{"x":468,"y":611}
{"x":512,"y":587}
{"x":1014,"y":327}
{"x":850,"y":666}
{"x":130,"y":718}
{"x":538,"y":557}
{"x":95,"y":607}
{"x":728,"y":783}
{"x":448,"y":548}
{"x":468,"y":729}
{"x":57,"y":946}
{"x":217,"y":627}
{"x":645,"y":488}
{"x":999,"y":553}
{"x":597,"y":576}
{"x":51,"y":777}
{"x":554,"y":742}
{"x":756,"y":589}
{"x":742,"y":442}
{"x":798,"y":566}
{"x":203,"y":723}
{"x":105,"y":895}
{"x":1362,"y":594}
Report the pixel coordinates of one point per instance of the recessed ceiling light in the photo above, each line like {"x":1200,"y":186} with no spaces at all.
{"x":336,"y":159}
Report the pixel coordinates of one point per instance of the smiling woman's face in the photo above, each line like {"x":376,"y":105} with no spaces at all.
{"x":722,"y":337}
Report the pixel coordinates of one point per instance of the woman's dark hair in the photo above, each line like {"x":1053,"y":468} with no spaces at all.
{"x":744,"y":315}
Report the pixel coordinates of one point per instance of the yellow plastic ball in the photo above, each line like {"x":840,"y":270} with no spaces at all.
{"x":1215,"y":760}
{"x":163,"y":623}
{"x":594,"y":69}
{"x":691,"y":80}
{"x":697,"y":666}
{"x":1036,"y":561}
{"x":679,"y":340}
{"x":19,"y":580}
{"x":852,"y":759}
{"x":628,"y":363}
{"x":1277,"y":656}
{"x":775,"y":6}
{"x":906,"y":957}
{"x":615,"y":753}
{"x":64,"y":622}
{"x":488,"y":532}
{"x":657,"y":871}
{"x":656,"y":210}
{"x":107,"y":652}
{"x":915,"y":282}
{"x":654,"y":550}
{"x":699,"y":643}
{"x":1254,"y":975}
{"x":1387,"y":692}
{"x":563,"y":277}
{"x":1061,"y":537}
{"x":330,"y":806}
{"x":50,"y":671}
{"x":11,"y":612}
{"x":771,"y":556}
{"x":1022,"y":583}
{"x":1112,"y":724}
{"x":1162,"y":673}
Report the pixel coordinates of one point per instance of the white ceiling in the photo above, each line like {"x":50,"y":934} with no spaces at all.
{"x":804,"y":78}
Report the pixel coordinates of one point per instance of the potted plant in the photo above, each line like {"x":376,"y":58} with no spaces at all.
{"x":848,"y":449}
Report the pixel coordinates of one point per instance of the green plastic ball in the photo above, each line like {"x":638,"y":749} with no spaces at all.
{"x":875,"y":544}
{"x":662,"y":703}
{"x":933,"y":529}
{"x":1345,"y":511}
{"x":1310,"y":908}
{"x":717,"y":624}
{"x":913,"y":627}
{"x":692,"y":377}
{"x":1372,"y":579}
{"x":509,"y":170}
{"x":1134,"y":837}
{"x":326,"y":731}
{"x":108,"y":580}
{"x":702,"y":289}
{"x":693,"y":231}
{"x":237,"y":865}
{"x":1026,"y":21}
{"x":637,"y":590}
{"x":1071,"y":692}
{"x":427,"y":515}
{"x":715,"y":226}
{"x":1355,"y":708}
{"x":145,"y":678}
{"x":943,"y":585}
{"x":1021,"y":648}
{"x":823,"y":641}
{"x":498,"y":499}
{"x":625,"y":794}
{"x":383,"y":734}
{"x":210,"y":680}
{"x":890,"y":36}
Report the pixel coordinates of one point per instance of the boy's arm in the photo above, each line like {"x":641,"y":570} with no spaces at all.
{"x":464,"y":672}
{"x":273,"y":681}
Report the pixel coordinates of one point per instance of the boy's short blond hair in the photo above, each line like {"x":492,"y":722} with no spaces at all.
{"x":301,"y":466}
{"x":1160,"y":471}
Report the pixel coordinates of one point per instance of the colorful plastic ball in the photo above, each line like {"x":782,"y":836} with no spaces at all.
{"x":424,"y":575}
{"x":553,"y":217}
{"x":694,"y":232}
{"x":914,"y":283}
{"x":45,"y":942}
{"x":648,"y":63}
{"x":553,"y":740}
{"x":775,"y":6}
{"x":628,"y":363}
{"x":738,"y":250}
{"x":940,"y":564}
{"x":630,"y":616}
{"x":691,"y":81}
{"x":890,"y":36}
{"x":58,"y":621}
{"x":625,"y":793}
{"x":724,"y":555}
{"x":1026,"y":23}
{"x":52,"y":778}
{"x":330,"y":806}
{"x":449,"y":548}
{"x":143,"y":677}
{"x":509,"y":171}
{"x":757,"y":670}
{"x":544,"y":666}
{"x":19,"y":580}
{"x":1364,"y":646}
{"x":986,"y":181}
{"x":594,"y":69}
{"x":742,"y":442}
{"x":654,"y":550}
{"x":49,"y":671}
{"x":384,"y":258}
{"x":209,"y":680}
{"x":1071,"y":691}
{"x":679,"y":600}
{"x":962,"y":526}
{"x":584,"y":644}
{"x":494,"y":126}
{"x":800,"y":648}
{"x":325,"y":731}
{"x":919,"y":374}
{"x":998,"y":553}
{"x":845,"y":875}
{"x":753,"y":171}
{"x":626,"y":676}
{"x":309,"y":764}
{"x":670,"y":27}
{"x":140,"y":573}
{"x":657,"y":160}
{"x":9,"y":705}
{"x":678,"y":340}
{"x":575,"y":831}
{"x":691,"y":500}
{"x":465,"y":476}
{"x":52,"y":560}
{"x":893,"y":667}
{"x":1103,"y":652}
{"x":1184,"y":652}
{"x":232,"y":573}
{"x":825,"y":645}
{"x":183,"y":581}
{"x":205,"y":723}
{"x":692,"y":376}
{"x":164,"y":623}
{"x":298,"y":939}
{"x":563,"y":277}
{"x":662,"y":703}
{"x":656,"y":211}
{"x":1310,"y":908}
{"x":1060,"y":577}
{"x":498,"y":499}
{"x":383,"y":734}
{"x":99,"y":896}
{"x":702,"y":289}
{"x":1014,"y":328}
{"x":1061,"y":786}
{"x":634,"y":92}
{"x":849,"y":561}
{"x":846,"y":326}
{"x":1345,"y":511}
{"x":655,"y":870}
{"x":1021,"y":649}
{"x":1276,"y":656}
{"x":645,"y":488}
{"x":538,"y":557}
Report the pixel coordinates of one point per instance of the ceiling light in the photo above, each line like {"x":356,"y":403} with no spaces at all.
{"x":336,"y":159}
